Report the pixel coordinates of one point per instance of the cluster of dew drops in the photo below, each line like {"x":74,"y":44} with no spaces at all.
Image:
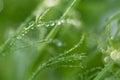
{"x":42,"y":24}
{"x":47,"y":24}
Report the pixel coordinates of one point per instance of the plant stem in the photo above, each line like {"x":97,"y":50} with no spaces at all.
{"x":53,"y":32}
{"x":104,"y":71}
{"x":57,"y":28}
{"x":45,"y":64}
{"x":21,"y":30}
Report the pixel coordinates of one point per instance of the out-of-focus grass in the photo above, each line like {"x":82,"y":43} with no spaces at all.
{"x":29,"y":50}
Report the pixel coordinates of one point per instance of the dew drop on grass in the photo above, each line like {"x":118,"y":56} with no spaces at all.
{"x":39,"y":25}
{"x":23,"y":34}
{"x":47,"y":25}
{"x":52,"y":24}
{"x":115,"y":56}
{"x":62,"y":21}
{"x":25,"y":28}
{"x":51,"y":3}
{"x":19,"y":37}
{"x":32,"y":28}
{"x":106,"y":59}
{"x":112,"y":37}
{"x":59,"y":44}
{"x":59,"y":23}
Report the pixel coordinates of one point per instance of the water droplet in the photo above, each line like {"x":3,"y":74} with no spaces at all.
{"x":38,"y":25}
{"x":50,"y":3}
{"x":23,"y":34}
{"x":52,"y":24}
{"x":62,"y":21}
{"x":25,"y":28}
{"x":59,"y":44}
{"x":59,"y":23}
{"x":19,"y":37}
{"x":32,"y":28}
{"x":47,"y":25}
{"x":111,"y":37}
{"x":107,"y":59}
{"x":115,"y":55}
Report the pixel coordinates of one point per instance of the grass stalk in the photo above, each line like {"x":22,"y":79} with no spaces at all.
{"x":104,"y":71}
{"x":45,"y":64}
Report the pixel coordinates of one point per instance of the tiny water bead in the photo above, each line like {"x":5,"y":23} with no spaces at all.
{"x":51,"y":3}
{"x":40,"y":25}
{"x":23,"y":34}
{"x":70,"y":66}
{"x":32,"y":27}
{"x":52,"y":24}
{"x":46,"y":24}
{"x":62,"y":20}
{"x":107,"y":59}
{"x":74,"y":22}
{"x":115,"y":55}
{"x":112,"y":37}
{"x":25,"y":28}
{"x":59,"y":44}
{"x":19,"y":37}
{"x":58,"y":23}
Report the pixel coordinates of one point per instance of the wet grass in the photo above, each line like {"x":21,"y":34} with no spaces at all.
{"x":62,"y":40}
